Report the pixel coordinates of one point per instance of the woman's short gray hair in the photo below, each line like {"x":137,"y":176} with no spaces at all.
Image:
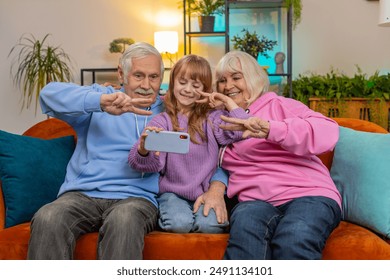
{"x":138,"y":50}
{"x":255,"y":76}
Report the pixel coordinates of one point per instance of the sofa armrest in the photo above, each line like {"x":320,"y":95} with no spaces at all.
{"x":2,"y":209}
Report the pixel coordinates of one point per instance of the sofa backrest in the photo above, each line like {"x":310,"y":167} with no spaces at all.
{"x":47,"y":129}
{"x":53,"y":128}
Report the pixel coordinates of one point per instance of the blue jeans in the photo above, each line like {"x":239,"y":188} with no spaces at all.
{"x":296,"y":230}
{"x":121,"y":223}
{"x":176,"y":215}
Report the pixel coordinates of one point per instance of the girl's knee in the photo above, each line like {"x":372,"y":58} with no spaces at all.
{"x":209,"y":223}
{"x":177,"y":223}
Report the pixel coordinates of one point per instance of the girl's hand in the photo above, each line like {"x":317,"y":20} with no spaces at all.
{"x":141,"y":147}
{"x":217,"y":100}
{"x":252,"y":127}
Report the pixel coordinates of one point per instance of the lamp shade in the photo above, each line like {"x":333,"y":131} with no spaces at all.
{"x":384,"y":13}
{"x":166,"y":41}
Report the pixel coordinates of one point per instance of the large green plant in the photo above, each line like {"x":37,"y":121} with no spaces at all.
{"x":253,"y":44}
{"x":336,"y":85}
{"x":204,"y":7}
{"x":36,"y":64}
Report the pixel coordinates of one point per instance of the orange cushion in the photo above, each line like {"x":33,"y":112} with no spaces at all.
{"x":348,"y":241}
{"x":352,"y":242}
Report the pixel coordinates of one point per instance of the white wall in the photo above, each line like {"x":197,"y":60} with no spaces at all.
{"x":342,"y":34}
{"x":338,"y":33}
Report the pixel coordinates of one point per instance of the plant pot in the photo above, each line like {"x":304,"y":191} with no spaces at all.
{"x":206,"y":23}
{"x":374,"y":110}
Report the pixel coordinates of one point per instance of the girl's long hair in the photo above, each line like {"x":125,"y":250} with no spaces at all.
{"x":197,"y":68}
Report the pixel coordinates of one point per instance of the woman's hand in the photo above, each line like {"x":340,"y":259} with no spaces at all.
{"x":141,"y":147}
{"x":252,"y":127}
{"x":217,"y":100}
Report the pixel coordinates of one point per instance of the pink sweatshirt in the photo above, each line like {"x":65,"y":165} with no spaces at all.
{"x":284,"y":166}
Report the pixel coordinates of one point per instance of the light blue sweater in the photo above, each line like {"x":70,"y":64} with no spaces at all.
{"x":99,"y":166}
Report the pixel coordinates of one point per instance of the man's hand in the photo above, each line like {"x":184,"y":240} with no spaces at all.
{"x":252,"y":127}
{"x":118,"y":103}
{"x":213,"y":199}
{"x":115,"y":86}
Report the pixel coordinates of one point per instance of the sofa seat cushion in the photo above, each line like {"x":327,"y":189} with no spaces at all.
{"x":189,"y":246}
{"x":353,"y":242}
{"x":348,"y":241}
{"x":14,"y":242}
{"x":158,"y":245}
{"x":166,"y":246}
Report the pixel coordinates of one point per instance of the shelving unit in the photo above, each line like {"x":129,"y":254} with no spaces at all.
{"x":267,"y":17}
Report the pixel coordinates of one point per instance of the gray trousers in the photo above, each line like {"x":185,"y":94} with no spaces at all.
{"x":122,"y":225}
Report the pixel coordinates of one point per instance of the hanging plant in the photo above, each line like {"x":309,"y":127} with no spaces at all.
{"x":119,"y":45}
{"x":37,"y":64}
{"x":252,"y":44}
{"x":296,"y":9}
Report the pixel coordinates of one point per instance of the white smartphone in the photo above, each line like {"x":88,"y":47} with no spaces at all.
{"x":168,"y":141}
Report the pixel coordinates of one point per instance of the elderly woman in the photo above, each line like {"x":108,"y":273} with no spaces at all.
{"x":288,"y":203}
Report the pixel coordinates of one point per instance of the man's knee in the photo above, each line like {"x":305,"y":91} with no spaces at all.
{"x":47,"y":215}
{"x":132,"y":213}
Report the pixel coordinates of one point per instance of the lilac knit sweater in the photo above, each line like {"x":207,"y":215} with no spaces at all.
{"x":187,"y":175}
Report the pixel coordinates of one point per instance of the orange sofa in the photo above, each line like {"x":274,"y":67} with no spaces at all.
{"x":348,"y":241}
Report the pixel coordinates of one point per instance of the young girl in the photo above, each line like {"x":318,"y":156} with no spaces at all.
{"x":187,"y":203}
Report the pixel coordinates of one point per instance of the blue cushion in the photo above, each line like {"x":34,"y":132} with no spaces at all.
{"x":361,"y":172}
{"x":32,"y":171}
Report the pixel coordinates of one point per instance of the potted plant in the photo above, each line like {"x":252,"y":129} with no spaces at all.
{"x":253,"y":44}
{"x":35,"y":65}
{"x":335,"y":94}
{"x":296,"y":6}
{"x":119,"y":45}
{"x":206,"y":11}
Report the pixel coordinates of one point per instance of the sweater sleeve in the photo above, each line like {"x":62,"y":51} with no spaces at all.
{"x":220,"y":175}
{"x":225,"y":137}
{"x":307,"y":133}
{"x":67,"y":100}
{"x":151,"y":162}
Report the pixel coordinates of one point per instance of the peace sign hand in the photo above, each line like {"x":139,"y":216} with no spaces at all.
{"x":251,"y":127}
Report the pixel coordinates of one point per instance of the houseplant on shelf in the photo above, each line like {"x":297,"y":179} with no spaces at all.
{"x":36,"y":64}
{"x":253,"y":44}
{"x":335,"y":94}
{"x":119,"y":45}
{"x":206,"y":11}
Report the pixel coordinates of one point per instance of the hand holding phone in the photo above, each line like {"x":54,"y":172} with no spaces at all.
{"x":167,"y":141}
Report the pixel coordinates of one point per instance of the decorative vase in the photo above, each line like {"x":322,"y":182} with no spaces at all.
{"x":206,"y":23}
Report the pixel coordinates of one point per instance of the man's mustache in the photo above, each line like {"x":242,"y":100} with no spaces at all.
{"x":144,"y":92}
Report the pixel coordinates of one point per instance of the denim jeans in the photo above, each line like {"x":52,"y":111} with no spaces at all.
{"x":296,"y":230}
{"x":176,"y":215}
{"x":121,"y":223}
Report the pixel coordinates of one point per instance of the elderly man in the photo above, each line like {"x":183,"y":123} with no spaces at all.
{"x":101,"y":192}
